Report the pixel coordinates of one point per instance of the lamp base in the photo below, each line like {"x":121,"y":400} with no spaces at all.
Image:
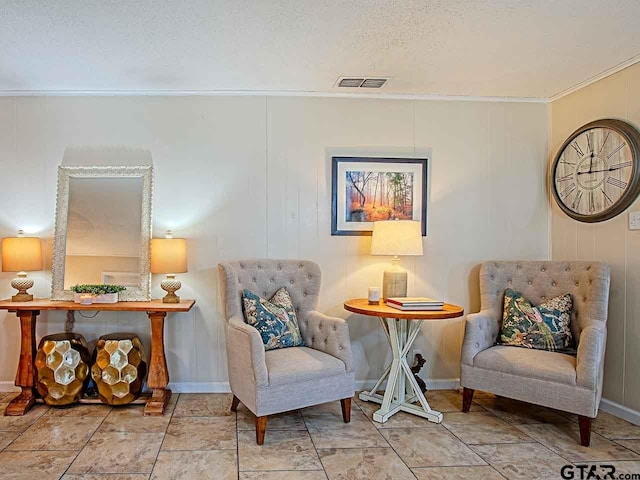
{"x":394,"y":281}
{"x":22,"y":283}
{"x":171,"y":285}
{"x":22,"y":297}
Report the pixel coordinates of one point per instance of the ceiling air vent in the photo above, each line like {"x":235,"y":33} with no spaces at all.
{"x":350,"y":82}
{"x":373,"y":83}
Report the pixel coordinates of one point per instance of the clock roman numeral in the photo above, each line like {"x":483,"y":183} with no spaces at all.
{"x":616,"y":150}
{"x":592,"y":203}
{"x":590,"y":141}
{"x":562,"y":160}
{"x":576,"y":201}
{"x":617,"y":183}
{"x":567,"y":191}
{"x":604,"y":142}
{"x":606,"y":197}
{"x":566,"y":177}
{"x":577,"y":148}
{"x":621,"y":165}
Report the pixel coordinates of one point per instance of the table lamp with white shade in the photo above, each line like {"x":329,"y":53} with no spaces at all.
{"x":169,"y":255}
{"x":21,"y":254}
{"x":396,"y":238}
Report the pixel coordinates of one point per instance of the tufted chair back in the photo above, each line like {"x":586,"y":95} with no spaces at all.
{"x":264,"y":277}
{"x":587,"y":282}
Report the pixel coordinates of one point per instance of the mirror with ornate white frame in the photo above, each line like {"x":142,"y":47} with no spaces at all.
{"x":103,"y":230}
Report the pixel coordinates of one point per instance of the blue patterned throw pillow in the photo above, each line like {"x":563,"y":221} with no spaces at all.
{"x":545,"y":327}
{"x":275,"y":319}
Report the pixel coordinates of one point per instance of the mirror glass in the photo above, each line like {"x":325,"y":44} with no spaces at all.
{"x":103,"y":232}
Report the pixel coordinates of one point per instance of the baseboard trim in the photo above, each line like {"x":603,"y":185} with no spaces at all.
{"x":176,"y":387}
{"x":608,"y":406}
{"x":621,"y":411}
{"x":200,"y":387}
{"x":8,"y":386}
{"x":223,"y":387}
{"x":432,"y":384}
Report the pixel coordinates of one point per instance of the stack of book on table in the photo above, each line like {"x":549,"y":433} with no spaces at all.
{"x":414,"y":303}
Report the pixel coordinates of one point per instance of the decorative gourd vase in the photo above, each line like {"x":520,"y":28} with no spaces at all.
{"x":119,"y":368}
{"x":62,"y":368}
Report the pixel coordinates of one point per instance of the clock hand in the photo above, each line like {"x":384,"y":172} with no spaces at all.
{"x":611,"y":169}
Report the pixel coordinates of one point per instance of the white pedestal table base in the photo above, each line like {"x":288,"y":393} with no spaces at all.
{"x":400,"y":394}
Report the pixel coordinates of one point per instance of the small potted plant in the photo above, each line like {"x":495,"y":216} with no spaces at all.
{"x":96,"y":293}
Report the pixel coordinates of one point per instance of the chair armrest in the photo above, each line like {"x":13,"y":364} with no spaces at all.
{"x":329,"y":335}
{"x":245,"y":353}
{"x":480,"y":333}
{"x":590,"y":357}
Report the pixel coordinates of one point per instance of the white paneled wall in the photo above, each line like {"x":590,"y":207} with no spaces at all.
{"x":617,"y":96}
{"x":251,"y":177}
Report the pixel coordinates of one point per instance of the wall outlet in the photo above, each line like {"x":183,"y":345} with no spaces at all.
{"x":634,"y":220}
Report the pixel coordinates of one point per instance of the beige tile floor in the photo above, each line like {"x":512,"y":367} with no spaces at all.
{"x":200,"y":438}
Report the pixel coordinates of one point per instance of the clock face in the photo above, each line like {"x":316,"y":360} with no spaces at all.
{"x":595,"y":173}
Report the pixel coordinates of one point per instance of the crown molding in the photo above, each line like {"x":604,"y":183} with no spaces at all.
{"x":604,"y":74}
{"x":304,"y":93}
{"x":264,"y":93}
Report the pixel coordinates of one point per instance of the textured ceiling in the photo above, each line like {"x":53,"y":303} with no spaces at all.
{"x":518,"y":48}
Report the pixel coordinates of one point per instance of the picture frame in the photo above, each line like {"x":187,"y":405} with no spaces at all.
{"x":367,"y":189}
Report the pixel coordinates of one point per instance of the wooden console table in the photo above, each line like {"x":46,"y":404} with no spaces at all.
{"x":157,"y":379}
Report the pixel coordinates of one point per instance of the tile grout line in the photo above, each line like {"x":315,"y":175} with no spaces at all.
{"x":85,"y":445}
{"x":466,"y":444}
{"x":533,"y":440}
{"x":386,"y":440}
{"x":304,"y":420}
{"x":509,"y":420}
{"x":559,"y":454}
{"x":164,"y":436}
{"x":616,"y":441}
{"x":469,"y":445}
{"x":512,"y":423}
{"x":23,"y":431}
{"x":463,"y":466}
{"x":495,"y":443}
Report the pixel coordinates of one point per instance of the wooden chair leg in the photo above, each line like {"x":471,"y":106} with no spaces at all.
{"x":467,"y":396}
{"x":345,"y":403}
{"x":261,"y":427}
{"x":585,"y":430}
{"x":234,"y":404}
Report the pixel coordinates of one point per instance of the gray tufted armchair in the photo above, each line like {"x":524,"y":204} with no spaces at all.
{"x":284,"y":379}
{"x":556,"y":380}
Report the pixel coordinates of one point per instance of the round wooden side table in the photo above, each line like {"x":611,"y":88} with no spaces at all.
{"x":401,"y":328}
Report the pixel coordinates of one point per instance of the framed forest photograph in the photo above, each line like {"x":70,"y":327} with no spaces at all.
{"x":367,"y":189}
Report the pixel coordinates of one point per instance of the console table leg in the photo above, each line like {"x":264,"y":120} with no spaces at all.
{"x":158,"y":378}
{"x":25,"y":376}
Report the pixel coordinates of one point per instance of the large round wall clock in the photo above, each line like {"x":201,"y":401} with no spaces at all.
{"x":596,"y":173}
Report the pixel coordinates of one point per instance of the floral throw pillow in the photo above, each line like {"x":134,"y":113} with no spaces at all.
{"x":544,"y":327}
{"x":275,"y":319}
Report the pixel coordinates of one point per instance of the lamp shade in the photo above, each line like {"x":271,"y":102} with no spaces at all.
{"x":396,"y":237}
{"x":21,"y":254}
{"x":168,"y":255}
